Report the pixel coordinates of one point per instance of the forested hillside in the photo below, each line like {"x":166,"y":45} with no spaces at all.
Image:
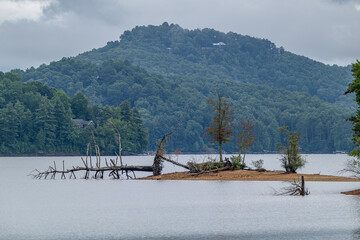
{"x":165,"y":103}
{"x":180,"y":69}
{"x":207,"y":53}
{"x":35,"y":118}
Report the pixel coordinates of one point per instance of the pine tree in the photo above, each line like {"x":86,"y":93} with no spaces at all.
{"x":141,"y":132}
{"x":46,"y":125}
{"x":80,"y":106}
{"x":63,"y":121}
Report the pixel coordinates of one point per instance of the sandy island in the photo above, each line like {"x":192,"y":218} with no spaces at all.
{"x":245,"y":175}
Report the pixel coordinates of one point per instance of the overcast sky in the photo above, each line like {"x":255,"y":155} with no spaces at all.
{"x":33,"y":32}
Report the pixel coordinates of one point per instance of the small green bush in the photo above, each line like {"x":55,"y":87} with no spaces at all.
{"x":205,"y":166}
{"x":237,"y":162}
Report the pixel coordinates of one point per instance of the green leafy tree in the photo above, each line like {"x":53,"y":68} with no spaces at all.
{"x":220,"y":127}
{"x":80,"y":106}
{"x":291,"y":159}
{"x":354,"y":87}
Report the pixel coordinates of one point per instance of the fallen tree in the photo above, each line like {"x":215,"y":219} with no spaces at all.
{"x":115,"y":167}
{"x":114,"y":170}
{"x":160,"y":156}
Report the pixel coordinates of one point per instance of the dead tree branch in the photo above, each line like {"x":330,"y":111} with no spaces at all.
{"x":296,"y":188}
{"x":114,"y":171}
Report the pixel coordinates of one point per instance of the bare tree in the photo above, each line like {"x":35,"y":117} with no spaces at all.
{"x":97,"y":167}
{"x":296,"y":188}
{"x":245,"y":138}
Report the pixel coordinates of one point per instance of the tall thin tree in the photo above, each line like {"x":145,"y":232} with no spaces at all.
{"x":220,"y":127}
{"x":245,"y":137}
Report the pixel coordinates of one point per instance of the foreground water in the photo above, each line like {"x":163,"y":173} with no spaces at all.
{"x":113,"y":209}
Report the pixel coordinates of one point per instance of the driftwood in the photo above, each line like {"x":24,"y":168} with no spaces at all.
{"x":210,"y":171}
{"x":297,"y":188}
{"x":174,"y":162}
{"x":113,"y":168}
{"x":115,"y":171}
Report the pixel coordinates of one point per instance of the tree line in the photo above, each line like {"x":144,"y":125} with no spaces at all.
{"x":35,"y":118}
{"x":166,"y":102}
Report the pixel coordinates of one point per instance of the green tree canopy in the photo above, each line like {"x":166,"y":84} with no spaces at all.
{"x":354,"y":87}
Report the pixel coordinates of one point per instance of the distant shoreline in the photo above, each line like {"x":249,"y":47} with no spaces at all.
{"x":63,"y":154}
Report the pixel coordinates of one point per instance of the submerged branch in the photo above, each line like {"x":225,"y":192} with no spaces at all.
{"x":99,"y":171}
{"x":296,"y":188}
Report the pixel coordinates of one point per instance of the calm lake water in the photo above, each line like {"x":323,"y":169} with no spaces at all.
{"x":116,"y":209}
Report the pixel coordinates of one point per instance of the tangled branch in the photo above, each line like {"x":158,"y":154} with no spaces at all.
{"x":296,"y":188}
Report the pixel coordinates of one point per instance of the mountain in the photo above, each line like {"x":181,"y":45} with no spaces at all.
{"x":168,"y":73}
{"x":172,"y":50}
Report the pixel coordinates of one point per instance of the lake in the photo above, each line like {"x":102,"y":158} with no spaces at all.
{"x":128,"y":209}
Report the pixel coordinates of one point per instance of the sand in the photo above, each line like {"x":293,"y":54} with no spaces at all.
{"x":246,"y":175}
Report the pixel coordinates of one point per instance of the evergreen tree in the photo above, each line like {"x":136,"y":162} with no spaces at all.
{"x":63,"y":120}
{"x":125,"y":111}
{"x":141,"y":138}
{"x":46,"y":125}
{"x":80,"y":106}
{"x":9,"y":124}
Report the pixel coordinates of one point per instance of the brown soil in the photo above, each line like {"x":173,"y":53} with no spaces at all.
{"x":353,"y":192}
{"x":244,"y":175}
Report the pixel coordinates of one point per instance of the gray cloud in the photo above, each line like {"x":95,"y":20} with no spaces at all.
{"x":344,"y":1}
{"x":108,"y":12}
{"x":325,"y":30}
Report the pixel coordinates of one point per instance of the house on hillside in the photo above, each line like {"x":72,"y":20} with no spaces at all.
{"x":80,"y":123}
{"x":219,"y":44}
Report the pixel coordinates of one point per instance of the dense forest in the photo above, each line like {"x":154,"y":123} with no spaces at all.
{"x":191,"y":54}
{"x":168,"y":73}
{"x":35,"y":118}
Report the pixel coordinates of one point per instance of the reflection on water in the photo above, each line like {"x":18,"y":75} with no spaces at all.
{"x":112,"y":209}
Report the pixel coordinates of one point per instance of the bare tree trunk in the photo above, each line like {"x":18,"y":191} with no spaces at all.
{"x":302,"y":186}
{"x":243,"y":160}
{"x":220,"y":149}
{"x":159,"y":156}
{"x":175,"y":163}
